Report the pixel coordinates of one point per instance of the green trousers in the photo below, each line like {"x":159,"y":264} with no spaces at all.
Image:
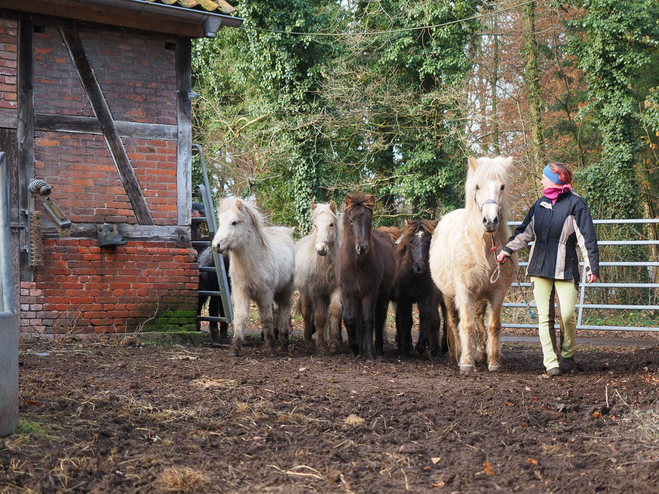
{"x":566,"y":293}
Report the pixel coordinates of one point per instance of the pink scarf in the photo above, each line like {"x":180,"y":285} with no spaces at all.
{"x":553,"y":192}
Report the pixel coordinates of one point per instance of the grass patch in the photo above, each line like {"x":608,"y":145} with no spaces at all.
{"x":28,"y":427}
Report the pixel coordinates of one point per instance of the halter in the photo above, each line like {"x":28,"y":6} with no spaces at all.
{"x":489,"y":201}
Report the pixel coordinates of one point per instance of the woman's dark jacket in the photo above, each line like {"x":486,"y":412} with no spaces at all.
{"x":555,"y":230}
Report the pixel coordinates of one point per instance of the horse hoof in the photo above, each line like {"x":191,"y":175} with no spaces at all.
{"x":308,"y":346}
{"x":321,"y":349}
{"x":494,"y":368}
{"x":334,"y":348}
{"x":270,"y":351}
{"x":354,"y":349}
{"x":466,"y":369}
{"x":234,"y":351}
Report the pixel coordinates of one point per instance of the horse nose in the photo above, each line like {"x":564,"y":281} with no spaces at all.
{"x":218,"y":247}
{"x":362,"y":248}
{"x":418,"y":267}
{"x":321,"y":250}
{"x":490,"y":225}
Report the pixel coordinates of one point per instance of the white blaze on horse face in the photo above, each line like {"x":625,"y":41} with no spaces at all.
{"x":490,"y":199}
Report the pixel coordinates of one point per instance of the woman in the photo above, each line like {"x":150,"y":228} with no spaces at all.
{"x":556,"y":223}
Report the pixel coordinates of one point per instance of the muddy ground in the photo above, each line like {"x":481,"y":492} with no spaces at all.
{"x":107,"y":415}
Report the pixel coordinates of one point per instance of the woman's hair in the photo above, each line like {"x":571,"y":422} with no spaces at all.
{"x":564,"y":174}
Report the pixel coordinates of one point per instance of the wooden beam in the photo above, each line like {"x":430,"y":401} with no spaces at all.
{"x":104,"y":116}
{"x":159,"y":233}
{"x":184,"y":116}
{"x":8,"y":118}
{"x":105,"y":15}
{"x":25,"y":134}
{"x":90,"y":125}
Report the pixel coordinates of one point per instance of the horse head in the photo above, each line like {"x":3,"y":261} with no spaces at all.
{"x":486,"y":183}
{"x":325,"y":223}
{"x":416,"y":239}
{"x":357,"y":220}
{"x":237,"y":220}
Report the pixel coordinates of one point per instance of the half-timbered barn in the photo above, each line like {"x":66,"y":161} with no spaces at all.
{"x":95,"y":123}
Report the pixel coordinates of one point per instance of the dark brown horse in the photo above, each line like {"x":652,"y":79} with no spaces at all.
{"x":414,"y":285}
{"x":365,"y":268}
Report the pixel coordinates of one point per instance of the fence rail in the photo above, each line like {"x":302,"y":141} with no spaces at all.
{"x":582,"y":305}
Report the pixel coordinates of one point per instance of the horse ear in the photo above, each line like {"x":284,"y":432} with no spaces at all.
{"x":332,"y":206}
{"x":473,"y":164}
{"x":348,"y":202}
{"x":370,"y":201}
{"x":433,"y":224}
{"x":239,"y":204}
{"x":313,"y":205}
{"x":509,"y":162}
{"x":406,"y":223}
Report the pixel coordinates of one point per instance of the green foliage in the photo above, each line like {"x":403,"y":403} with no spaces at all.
{"x":612,"y":42}
{"x":287,"y":118}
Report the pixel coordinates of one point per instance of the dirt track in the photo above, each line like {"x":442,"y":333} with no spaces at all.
{"x":102,"y":416}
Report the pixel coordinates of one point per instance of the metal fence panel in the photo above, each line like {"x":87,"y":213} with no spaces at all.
{"x":582,"y":305}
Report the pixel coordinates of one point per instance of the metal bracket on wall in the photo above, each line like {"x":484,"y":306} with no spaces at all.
{"x":21,"y":231}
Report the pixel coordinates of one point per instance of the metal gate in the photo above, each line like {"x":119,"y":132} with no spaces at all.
{"x":8,"y":318}
{"x":582,"y":306}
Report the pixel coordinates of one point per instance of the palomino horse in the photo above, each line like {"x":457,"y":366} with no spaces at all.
{"x":462,"y":263}
{"x":315,"y":279}
{"x":365,"y":267}
{"x":262,"y":268}
{"x":414,"y":285}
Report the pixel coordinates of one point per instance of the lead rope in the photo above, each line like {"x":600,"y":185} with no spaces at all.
{"x":496,"y":274}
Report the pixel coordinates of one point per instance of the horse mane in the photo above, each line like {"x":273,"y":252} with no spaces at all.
{"x":412,"y":227}
{"x":483,"y":169}
{"x":244,"y":209}
{"x":393,"y":231}
{"x":356,"y":199}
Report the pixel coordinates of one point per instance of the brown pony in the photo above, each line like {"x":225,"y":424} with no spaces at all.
{"x":414,"y":285}
{"x":365,"y":268}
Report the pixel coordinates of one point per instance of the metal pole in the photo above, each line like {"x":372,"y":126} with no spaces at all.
{"x":8,"y":318}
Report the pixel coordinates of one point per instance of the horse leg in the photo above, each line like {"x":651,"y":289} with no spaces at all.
{"x":335,"y":322}
{"x":368,"y":326}
{"x":240,"y":322}
{"x":352,"y":320}
{"x":201,"y":300}
{"x":213,"y":310}
{"x":481,"y":334}
{"x":466,"y":330}
{"x":284,"y":302}
{"x":453,"y":323}
{"x":266,"y":318}
{"x":404,"y":324}
{"x":444,"y":340}
{"x":306,"y":308}
{"x":321,"y":307}
{"x":428,"y":325}
{"x":494,"y":332}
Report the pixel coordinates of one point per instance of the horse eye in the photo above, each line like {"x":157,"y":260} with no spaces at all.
{"x":352,"y":221}
{"x":477,"y":187}
{"x":331,"y":224}
{"x":234,"y":223}
{"x":503,"y":186}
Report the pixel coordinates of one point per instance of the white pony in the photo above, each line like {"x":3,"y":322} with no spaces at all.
{"x":462,"y":263}
{"x":262,"y":268}
{"x":315,"y":279}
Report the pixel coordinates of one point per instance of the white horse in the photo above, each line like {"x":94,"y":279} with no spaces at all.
{"x":262,"y":268}
{"x":315,"y":279}
{"x":462,"y":263}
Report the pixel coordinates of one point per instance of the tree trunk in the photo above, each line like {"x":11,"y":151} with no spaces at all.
{"x":533,"y":90}
{"x":493,"y":85}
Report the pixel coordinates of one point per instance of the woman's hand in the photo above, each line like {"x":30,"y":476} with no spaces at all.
{"x":501,"y":258}
{"x":591,"y":278}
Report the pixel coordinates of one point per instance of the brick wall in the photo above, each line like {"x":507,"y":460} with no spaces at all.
{"x":86,"y":184}
{"x":8,"y":63}
{"x":82,"y":288}
{"x":136,"y":74}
